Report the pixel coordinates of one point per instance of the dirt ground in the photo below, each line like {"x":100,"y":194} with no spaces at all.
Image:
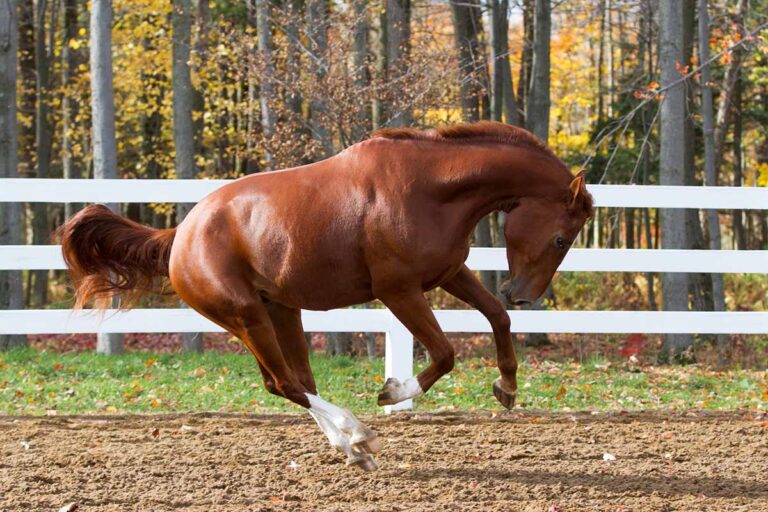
{"x":514,"y":462}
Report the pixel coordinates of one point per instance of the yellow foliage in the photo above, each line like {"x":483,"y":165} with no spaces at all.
{"x":762,"y":174}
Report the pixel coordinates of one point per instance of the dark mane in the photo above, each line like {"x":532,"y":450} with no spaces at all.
{"x":483,"y":131}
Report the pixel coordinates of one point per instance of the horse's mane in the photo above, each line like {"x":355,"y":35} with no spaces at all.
{"x":483,"y":131}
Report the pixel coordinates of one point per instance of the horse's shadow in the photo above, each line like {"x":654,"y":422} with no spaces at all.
{"x":710,"y":487}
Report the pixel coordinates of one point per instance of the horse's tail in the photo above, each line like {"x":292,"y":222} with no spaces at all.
{"x":109,"y":255}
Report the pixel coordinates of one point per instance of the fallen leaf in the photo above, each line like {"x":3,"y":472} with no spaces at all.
{"x":156,"y":432}
{"x":71,"y":507}
{"x":561,"y":392}
{"x":554,"y":508}
{"x":609,"y":457}
{"x":294,"y":465}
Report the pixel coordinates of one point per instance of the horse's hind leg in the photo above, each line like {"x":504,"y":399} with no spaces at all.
{"x":290,"y":334}
{"x":254,"y":327}
{"x":343,"y":430}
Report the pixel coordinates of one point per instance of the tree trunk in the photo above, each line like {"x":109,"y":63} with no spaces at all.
{"x":103,"y":122}
{"x":267,"y":97}
{"x":739,"y":235}
{"x":599,"y":67}
{"x":380,"y":48}
{"x":201,"y":50}
{"x":293,"y":71}
{"x":537,"y":113}
{"x":43,"y":141}
{"x":503,"y":92}
{"x":467,"y":27}
{"x":700,"y":284}
{"x":361,"y":73}
{"x":71,"y":166}
{"x":183,"y":126}
{"x":677,"y":347}
{"x":537,"y":110}
{"x":27,"y":94}
{"x":526,"y":58}
{"x":317,"y":20}
{"x":10,"y":213}
{"x":725,"y":107}
{"x":710,"y":172}
{"x":398,"y":44}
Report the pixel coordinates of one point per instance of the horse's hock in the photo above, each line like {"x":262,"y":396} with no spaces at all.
{"x":637,"y":461}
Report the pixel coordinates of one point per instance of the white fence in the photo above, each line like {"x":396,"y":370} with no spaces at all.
{"x":399,"y":342}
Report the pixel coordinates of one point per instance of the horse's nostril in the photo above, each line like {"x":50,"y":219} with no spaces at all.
{"x":522,"y":302}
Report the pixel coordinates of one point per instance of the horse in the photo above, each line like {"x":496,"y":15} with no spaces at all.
{"x":388,"y":218}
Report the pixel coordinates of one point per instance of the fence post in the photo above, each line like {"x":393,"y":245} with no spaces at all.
{"x":398,"y":358}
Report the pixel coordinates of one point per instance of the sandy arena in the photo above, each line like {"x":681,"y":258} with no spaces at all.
{"x":515,"y":462}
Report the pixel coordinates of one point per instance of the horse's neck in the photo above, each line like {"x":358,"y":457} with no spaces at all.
{"x":482,"y":179}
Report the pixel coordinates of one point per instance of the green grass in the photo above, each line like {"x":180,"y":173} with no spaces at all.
{"x":40,"y":383}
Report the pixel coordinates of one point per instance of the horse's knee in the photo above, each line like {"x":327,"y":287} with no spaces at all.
{"x":499,"y":317}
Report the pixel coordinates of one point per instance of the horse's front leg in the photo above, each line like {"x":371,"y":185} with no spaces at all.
{"x":466,"y":287}
{"x":413,"y":310}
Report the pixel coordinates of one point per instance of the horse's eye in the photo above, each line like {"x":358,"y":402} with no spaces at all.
{"x":560,"y":242}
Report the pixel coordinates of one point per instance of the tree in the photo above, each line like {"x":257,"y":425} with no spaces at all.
{"x":672,"y":168}
{"x":473,"y":83}
{"x":503,"y":91}
{"x":43,"y":138}
{"x":183,"y":126}
{"x":71,"y":166}
{"x":710,"y":173}
{"x":27,"y":93}
{"x":103,"y":122}
{"x":267,"y":94}
{"x":473,"y":92}
{"x":360,"y":64}
{"x":398,"y":48}
{"x":537,"y":109}
{"x":10,"y":215}
{"x":317,"y":21}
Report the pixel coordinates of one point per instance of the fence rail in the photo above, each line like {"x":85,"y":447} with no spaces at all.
{"x":18,"y":190}
{"x":399,"y":342}
{"x":45,"y":257}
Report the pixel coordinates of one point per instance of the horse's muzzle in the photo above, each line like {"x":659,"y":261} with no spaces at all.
{"x":511,"y":290}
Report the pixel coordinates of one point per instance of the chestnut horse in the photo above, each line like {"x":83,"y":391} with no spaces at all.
{"x":388,"y":218}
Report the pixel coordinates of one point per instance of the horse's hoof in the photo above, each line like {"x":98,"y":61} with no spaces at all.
{"x":389,"y":394}
{"x":363,"y":461}
{"x":506,"y":398}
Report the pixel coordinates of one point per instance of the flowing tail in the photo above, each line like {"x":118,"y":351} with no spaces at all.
{"x":109,"y":255}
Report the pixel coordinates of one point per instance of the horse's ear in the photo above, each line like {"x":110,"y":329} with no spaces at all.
{"x":576,"y":187}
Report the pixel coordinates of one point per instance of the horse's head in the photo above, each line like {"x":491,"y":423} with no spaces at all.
{"x":539,"y":233}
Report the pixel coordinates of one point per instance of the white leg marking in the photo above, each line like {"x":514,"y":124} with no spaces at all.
{"x":334,"y":435}
{"x":344,"y":421}
{"x":395,"y":391}
{"x":343,"y":430}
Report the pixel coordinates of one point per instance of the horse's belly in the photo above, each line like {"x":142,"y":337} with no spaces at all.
{"x":322,"y":289}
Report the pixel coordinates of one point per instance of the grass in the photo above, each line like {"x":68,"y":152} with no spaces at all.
{"x":39,"y":383}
